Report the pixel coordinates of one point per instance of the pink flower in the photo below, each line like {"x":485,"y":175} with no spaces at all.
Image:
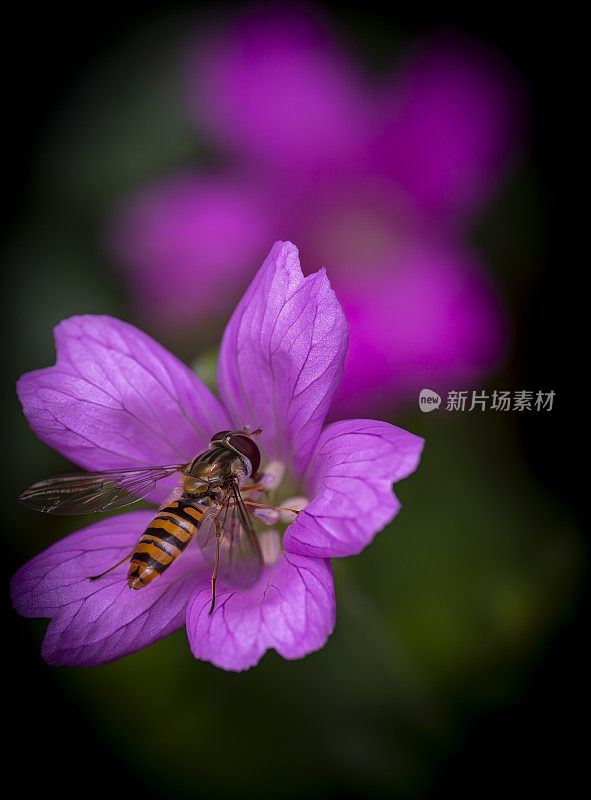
{"x":377,"y":183}
{"x":115,"y":399}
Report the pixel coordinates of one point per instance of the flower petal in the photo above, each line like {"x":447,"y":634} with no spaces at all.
{"x":354,"y":466}
{"x":198,"y":233}
{"x":116,"y":398}
{"x":452,"y":120}
{"x":292,"y":609}
{"x":97,"y":622}
{"x":282,"y":356}
{"x":276,"y":87}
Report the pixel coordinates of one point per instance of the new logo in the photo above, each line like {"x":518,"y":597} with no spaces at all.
{"x":429,"y":400}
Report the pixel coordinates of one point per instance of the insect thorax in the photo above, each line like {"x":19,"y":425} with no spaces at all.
{"x":212,"y":469}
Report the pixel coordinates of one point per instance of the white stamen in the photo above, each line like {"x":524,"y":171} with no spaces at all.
{"x":274,"y":472}
{"x":297,"y":503}
{"x":267,"y":515}
{"x":270,"y":543}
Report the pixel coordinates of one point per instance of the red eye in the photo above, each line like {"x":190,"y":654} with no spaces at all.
{"x":219,"y":435}
{"x":248,"y":448}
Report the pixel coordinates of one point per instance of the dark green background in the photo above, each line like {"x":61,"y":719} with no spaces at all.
{"x":456,"y":665}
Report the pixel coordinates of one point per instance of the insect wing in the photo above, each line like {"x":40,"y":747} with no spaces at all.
{"x":240,"y":556}
{"x":85,"y":493}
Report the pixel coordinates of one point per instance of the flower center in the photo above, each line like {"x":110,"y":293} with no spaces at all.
{"x":270,"y":524}
{"x":356,"y":228}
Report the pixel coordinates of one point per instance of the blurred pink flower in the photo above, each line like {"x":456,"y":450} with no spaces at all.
{"x":376,"y":183}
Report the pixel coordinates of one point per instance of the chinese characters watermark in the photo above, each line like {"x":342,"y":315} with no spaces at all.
{"x":478,"y":400}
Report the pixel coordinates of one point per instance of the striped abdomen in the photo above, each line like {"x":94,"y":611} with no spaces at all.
{"x":164,"y":539}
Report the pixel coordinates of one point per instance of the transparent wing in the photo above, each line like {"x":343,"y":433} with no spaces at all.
{"x":240,"y":557}
{"x":84,"y":493}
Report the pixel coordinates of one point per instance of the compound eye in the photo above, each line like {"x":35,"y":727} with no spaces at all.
{"x":219,"y":435}
{"x":248,"y":448}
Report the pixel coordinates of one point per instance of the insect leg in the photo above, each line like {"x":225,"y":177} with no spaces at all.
{"x":96,"y":577}
{"x":218,"y":536}
{"x":274,"y":508}
{"x":256,"y":486}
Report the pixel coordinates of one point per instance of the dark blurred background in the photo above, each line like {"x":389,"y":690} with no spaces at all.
{"x":457,"y":664}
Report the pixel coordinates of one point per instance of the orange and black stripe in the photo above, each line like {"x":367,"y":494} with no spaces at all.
{"x":164,"y":539}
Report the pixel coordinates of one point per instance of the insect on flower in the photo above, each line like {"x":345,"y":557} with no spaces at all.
{"x":209,"y":504}
{"x":227,"y":556}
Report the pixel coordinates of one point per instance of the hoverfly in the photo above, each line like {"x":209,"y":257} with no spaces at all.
{"x":210,"y":504}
